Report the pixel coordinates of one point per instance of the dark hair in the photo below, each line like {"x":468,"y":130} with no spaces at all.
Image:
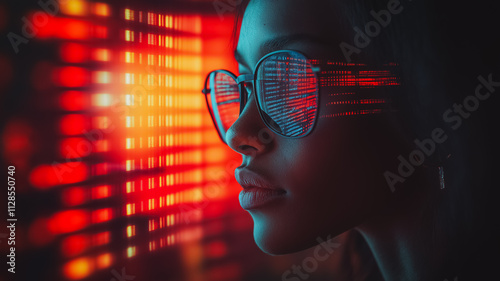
{"x":442,"y":49}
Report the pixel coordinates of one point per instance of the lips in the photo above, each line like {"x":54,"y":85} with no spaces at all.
{"x":257,"y":191}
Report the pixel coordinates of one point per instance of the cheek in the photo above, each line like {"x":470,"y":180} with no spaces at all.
{"x":337,"y":172}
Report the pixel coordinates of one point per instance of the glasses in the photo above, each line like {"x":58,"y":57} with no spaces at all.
{"x":285,"y":85}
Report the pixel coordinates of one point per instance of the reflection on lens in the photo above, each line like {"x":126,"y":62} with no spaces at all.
{"x":288,"y":93}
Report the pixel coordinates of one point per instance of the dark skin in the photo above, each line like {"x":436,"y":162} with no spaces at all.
{"x":333,"y":177}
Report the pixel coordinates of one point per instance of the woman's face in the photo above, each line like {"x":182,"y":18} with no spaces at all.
{"x":332,"y":179}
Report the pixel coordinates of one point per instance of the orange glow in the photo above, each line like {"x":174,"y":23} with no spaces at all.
{"x":101,"y":122}
{"x":73,"y":52}
{"x":101,"y":215}
{"x":101,"y":9}
{"x":74,"y":7}
{"x":68,"y":221}
{"x":73,"y":29}
{"x":104,"y":260}
{"x":71,"y":76}
{"x":78,"y":268}
{"x":64,"y":28}
{"x":168,"y":21}
{"x":74,"y":196}
{"x":73,"y":124}
{"x":101,"y":145}
{"x":190,"y":24}
{"x":74,"y":245}
{"x":101,"y":54}
{"x":45,"y":176}
{"x":73,"y":101}
{"x":99,"y":192}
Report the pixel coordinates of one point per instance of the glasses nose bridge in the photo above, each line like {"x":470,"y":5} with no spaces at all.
{"x":242,"y":81}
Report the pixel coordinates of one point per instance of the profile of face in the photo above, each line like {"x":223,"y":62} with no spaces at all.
{"x":332,"y":179}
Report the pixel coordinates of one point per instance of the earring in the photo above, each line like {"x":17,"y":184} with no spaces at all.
{"x":441,"y":177}
{"x":440,"y":170}
{"x":441,"y":174}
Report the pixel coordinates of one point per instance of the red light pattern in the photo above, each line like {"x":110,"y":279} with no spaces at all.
{"x":74,"y":196}
{"x":131,"y":112}
{"x":74,"y":53}
{"x":357,"y":89}
{"x":68,"y":221}
{"x":74,"y":245}
{"x":65,"y":28}
{"x":46,"y":176}
{"x":71,"y":76}
{"x":73,"y":101}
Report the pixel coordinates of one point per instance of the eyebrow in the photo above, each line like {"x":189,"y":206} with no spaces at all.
{"x":279,"y":43}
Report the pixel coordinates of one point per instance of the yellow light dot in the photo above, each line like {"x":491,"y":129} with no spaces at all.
{"x":101,"y":9}
{"x":129,"y":143}
{"x":130,"y":230}
{"x":129,"y":57}
{"x":129,"y":14}
{"x":129,"y":35}
{"x":104,"y":260}
{"x":101,"y":55}
{"x":130,"y":209}
{"x":78,"y":268}
{"x":74,"y":7}
{"x":101,"y":100}
{"x":101,"y":122}
{"x":129,"y":78}
{"x":131,"y":251}
{"x":101,"y":77}
{"x":129,"y":100}
{"x":129,"y":121}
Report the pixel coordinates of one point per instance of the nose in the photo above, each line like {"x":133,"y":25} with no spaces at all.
{"x":249,"y":135}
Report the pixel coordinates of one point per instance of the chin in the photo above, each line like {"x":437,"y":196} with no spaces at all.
{"x":270,"y":243}
{"x":276,"y":237}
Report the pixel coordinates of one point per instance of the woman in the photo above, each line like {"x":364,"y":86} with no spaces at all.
{"x":397,"y":171}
